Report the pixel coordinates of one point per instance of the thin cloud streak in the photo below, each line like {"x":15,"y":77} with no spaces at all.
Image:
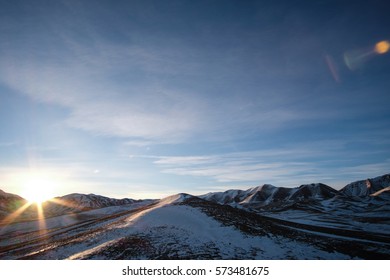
{"x":139,"y":112}
{"x":148,"y":113}
{"x":287,"y":167}
{"x":82,"y":79}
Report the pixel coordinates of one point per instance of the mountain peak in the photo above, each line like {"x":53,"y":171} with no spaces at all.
{"x":366,"y":187}
{"x":268,"y":195}
{"x":176,"y":198}
{"x":315,"y":190}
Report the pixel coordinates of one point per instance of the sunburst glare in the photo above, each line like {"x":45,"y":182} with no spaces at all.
{"x":38,"y":188}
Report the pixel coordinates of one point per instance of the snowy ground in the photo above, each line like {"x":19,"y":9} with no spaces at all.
{"x":326,"y":220}
{"x":65,"y":220}
{"x":171,"y":229}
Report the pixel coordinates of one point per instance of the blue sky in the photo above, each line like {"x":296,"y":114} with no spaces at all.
{"x":145,"y":99}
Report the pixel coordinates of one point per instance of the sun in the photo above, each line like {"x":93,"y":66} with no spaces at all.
{"x":38,"y":188}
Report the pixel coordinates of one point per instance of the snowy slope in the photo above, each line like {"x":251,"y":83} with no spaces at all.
{"x":186,"y":227}
{"x":360,"y":206}
{"x":180,"y":231}
{"x":177,"y":227}
{"x":67,"y":220}
{"x":266,"y":222}
{"x":366,"y":187}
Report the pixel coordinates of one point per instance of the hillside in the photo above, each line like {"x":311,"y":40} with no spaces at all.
{"x":308,"y":222}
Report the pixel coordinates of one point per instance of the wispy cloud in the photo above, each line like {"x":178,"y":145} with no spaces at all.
{"x":367,"y":169}
{"x":148,"y":112}
{"x":7,"y":144}
{"x":134,"y":91}
{"x":186,"y":160}
{"x":236,"y":168}
{"x":290,"y":166}
{"x":98,"y":105}
{"x":139,"y":143}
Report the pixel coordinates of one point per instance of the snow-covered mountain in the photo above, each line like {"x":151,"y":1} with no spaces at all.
{"x":362,"y":206}
{"x":93,"y":201}
{"x":183,"y":226}
{"x":266,"y":222}
{"x":77,"y":202}
{"x":268,"y":197}
{"x":71,"y":203}
{"x":367,"y":187}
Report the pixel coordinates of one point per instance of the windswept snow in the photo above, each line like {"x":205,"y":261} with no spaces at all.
{"x":189,"y":232}
{"x":168,"y":229}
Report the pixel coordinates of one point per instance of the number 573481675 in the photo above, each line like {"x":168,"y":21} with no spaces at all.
{"x":228,"y":270}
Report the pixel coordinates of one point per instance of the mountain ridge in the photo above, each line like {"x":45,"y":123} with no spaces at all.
{"x":265,"y":222}
{"x":261,"y":197}
{"x":270,"y":196}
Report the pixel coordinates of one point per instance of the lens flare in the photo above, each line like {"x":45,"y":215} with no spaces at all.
{"x":382,"y":47}
{"x":356,"y":59}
